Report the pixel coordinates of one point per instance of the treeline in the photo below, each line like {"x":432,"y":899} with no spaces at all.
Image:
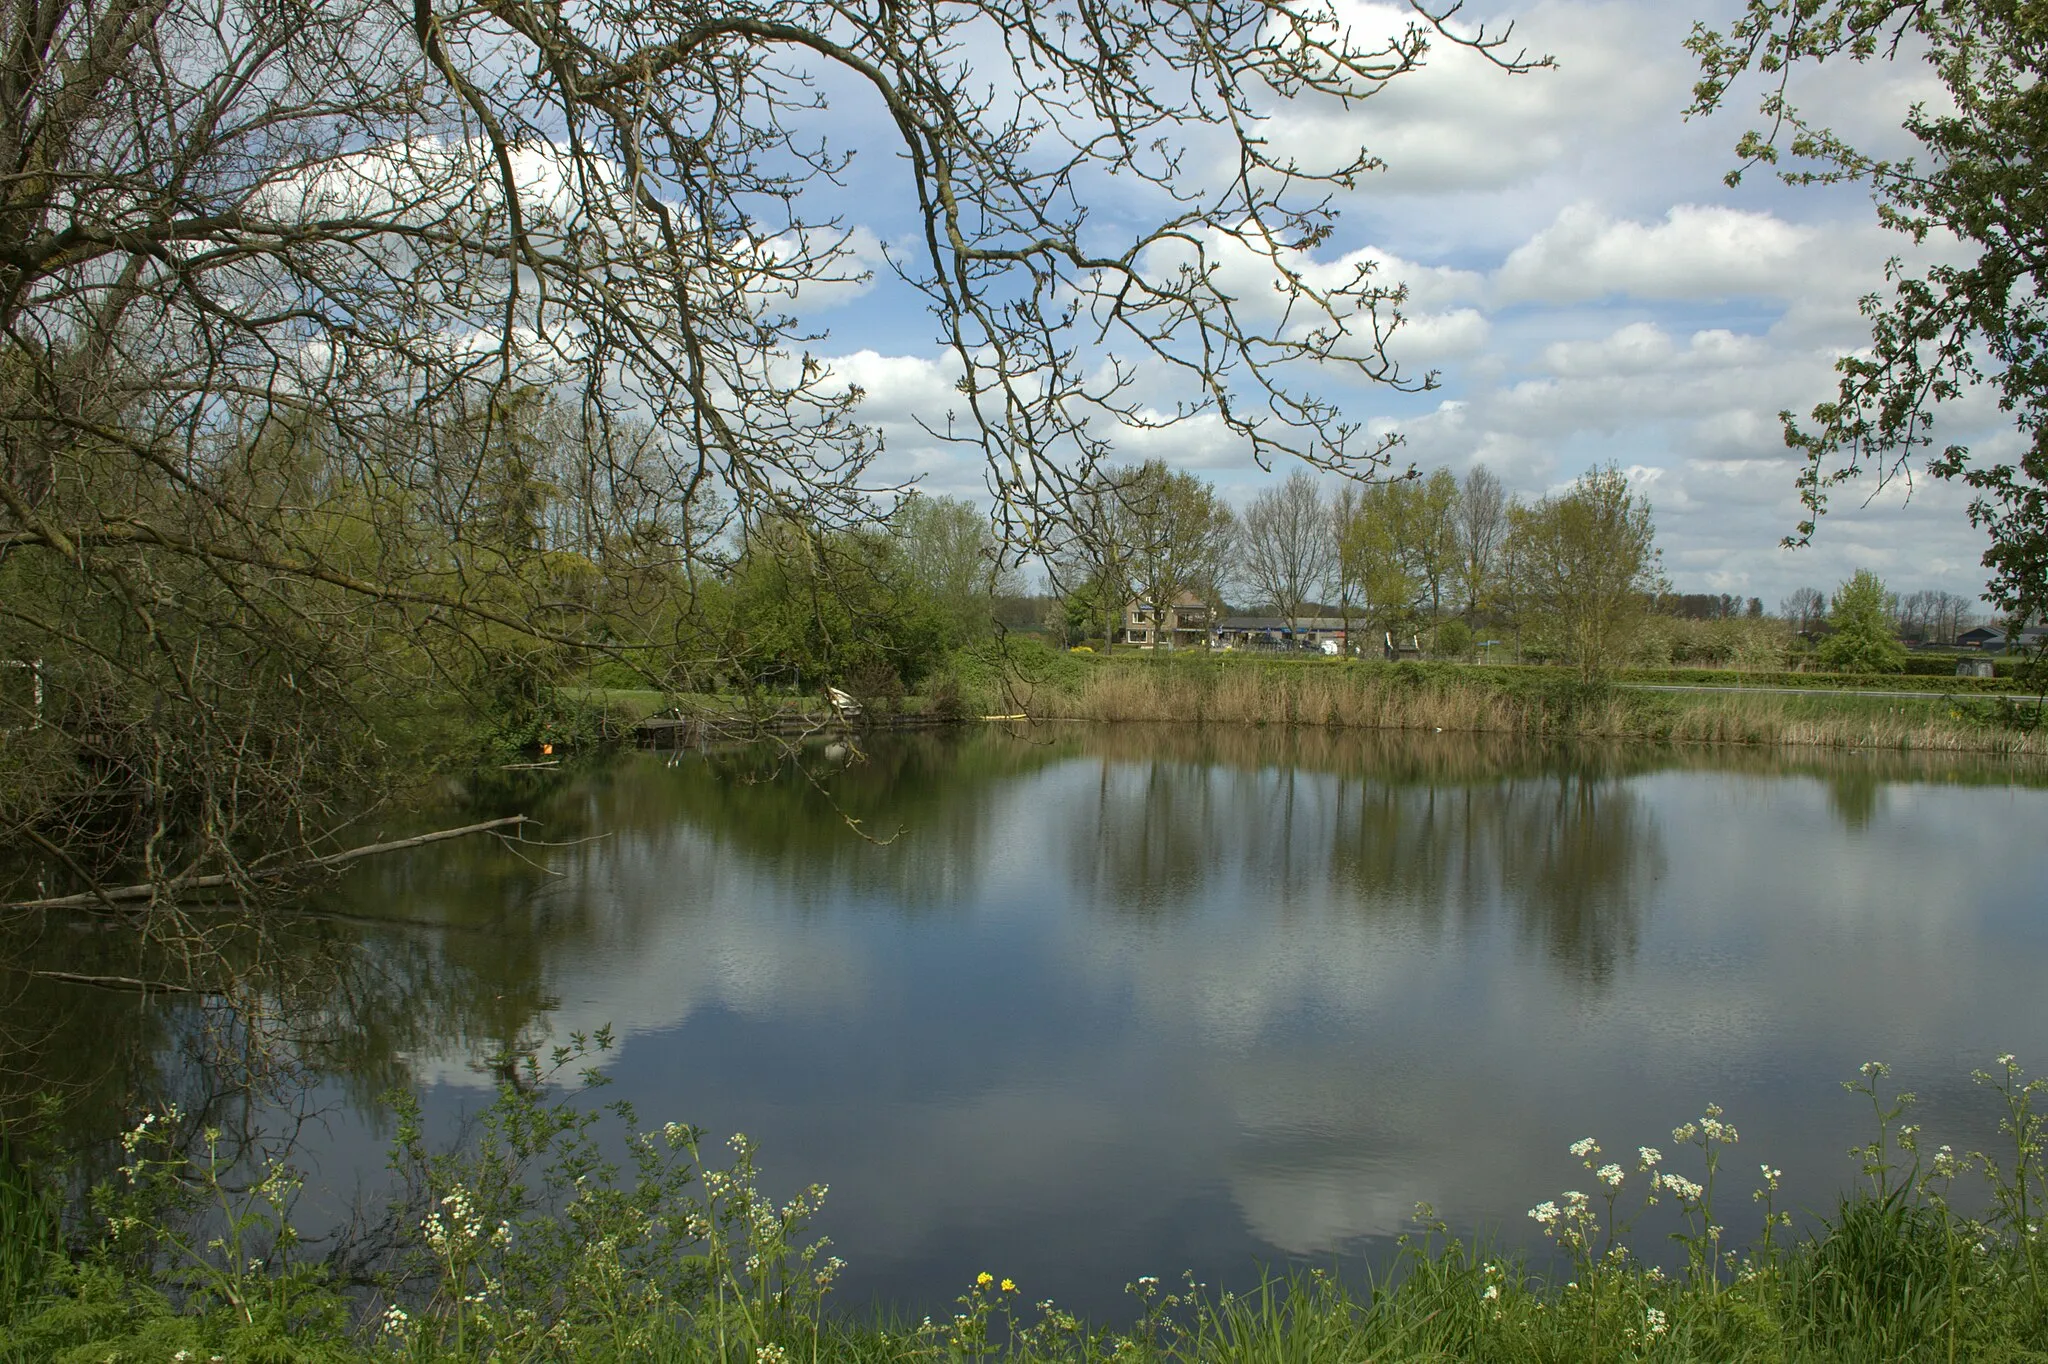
{"x":1567,"y":576}
{"x":327,"y":610}
{"x":1464,"y":567}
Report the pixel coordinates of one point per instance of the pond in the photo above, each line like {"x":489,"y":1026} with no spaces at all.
{"x":1082,"y":1005}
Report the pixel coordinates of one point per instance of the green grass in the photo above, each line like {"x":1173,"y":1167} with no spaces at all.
{"x":28,"y":1235}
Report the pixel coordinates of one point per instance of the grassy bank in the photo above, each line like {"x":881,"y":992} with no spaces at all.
{"x":532,"y":1245}
{"x":1497,"y":700}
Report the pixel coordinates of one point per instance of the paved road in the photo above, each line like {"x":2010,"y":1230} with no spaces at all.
{"x":1837,"y":691}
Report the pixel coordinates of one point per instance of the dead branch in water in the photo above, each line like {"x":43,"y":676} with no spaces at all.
{"x":148,"y":891}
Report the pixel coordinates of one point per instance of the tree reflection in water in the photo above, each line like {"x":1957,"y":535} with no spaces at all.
{"x":455,"y":951}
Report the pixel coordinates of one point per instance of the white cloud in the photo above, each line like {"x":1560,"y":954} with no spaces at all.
{"x":1696,"y":252}
{"x":1462,"y":124}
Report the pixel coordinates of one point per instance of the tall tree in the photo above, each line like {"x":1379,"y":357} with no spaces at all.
{"x":1805,"y":609}
{"x":1379,"y":553}
{"x":1287,"y":554}
{"x":1342,"y":514}
{"x":1972,"y":318}
{"x":1952,"y":615}
{"x":1860,"y":638}
{"x":1433,"y":536}
{"x":1179,"y":535}
{"x":1090,"y":563}
{"x":1482,"y":525}
{"x":954,"y":557}
{"x":1588,"y":559}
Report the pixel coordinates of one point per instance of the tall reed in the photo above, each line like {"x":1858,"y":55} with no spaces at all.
{"x":28,"y":1234}
{"x":1385,"y":698}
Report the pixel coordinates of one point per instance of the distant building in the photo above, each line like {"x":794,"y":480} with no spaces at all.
{"x":1278,"y":632}
{"x":1994,"y":641}
{"x":1184,"y":625}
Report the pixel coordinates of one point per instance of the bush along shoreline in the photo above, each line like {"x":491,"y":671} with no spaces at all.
{"x":534,"y":1243}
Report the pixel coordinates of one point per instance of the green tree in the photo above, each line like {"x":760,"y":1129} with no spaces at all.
{"x":1859,"y":620}
{"x":1090,"y":565}
{"x":1951,"y":326}
{"x":1379,"y":553}
{"x":809,"y":607}
{"x":953,"y":556}
{"x":1587,"y":565}
{"x":1178,"y":534}
{"x":1433,"y":522}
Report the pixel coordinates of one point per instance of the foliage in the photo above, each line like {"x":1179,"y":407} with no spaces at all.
{"x":1751,"y":644}
{"x":1588,"y":560}
{"x":28,"y":1234}
{"x":1453,"y":639}
{"x":807,"y":607}
{"x":1952,"y":326}
{"x":1861,"y":638}
{"x":1379,"y":554}
{"x":532,"y":1243}
{"x":952,"y":556}
{"x":1178,"y":535}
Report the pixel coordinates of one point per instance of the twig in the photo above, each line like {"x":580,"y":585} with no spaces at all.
{"x":116,"y":982}
{"x":148,"y":891}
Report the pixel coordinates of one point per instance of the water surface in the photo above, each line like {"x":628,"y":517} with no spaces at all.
{"x":1081,"y":1006}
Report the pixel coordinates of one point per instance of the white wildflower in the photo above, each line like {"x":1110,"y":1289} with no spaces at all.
{"x":1681,"y":1186}
{"x":1611,"y":1175}
{"x":396,"y":1324}
{"x":1654,"y":1319}
{"x":1585,"y":1146}
{"x":1544,"y":1212}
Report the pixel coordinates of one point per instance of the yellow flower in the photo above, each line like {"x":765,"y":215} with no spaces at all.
{"x":1009,"y":1285}
{"x":984,"y":1279}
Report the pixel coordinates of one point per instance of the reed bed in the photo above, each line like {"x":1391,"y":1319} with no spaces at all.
{"x":1388,"y":699}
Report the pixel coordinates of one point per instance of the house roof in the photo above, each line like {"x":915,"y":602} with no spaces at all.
{"x":1180,"y":603}
{"x":1280,"y":623}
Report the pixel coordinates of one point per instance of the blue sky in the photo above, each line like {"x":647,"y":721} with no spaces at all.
{"x":1586,"y":283}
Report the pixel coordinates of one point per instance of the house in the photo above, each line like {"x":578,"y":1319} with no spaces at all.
{"x":1184,"y":625}
{"x":1979,"y":637}
{"x":1278,"y":632}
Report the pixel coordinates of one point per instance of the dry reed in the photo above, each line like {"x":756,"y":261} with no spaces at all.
{"x":1347,"y":700}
